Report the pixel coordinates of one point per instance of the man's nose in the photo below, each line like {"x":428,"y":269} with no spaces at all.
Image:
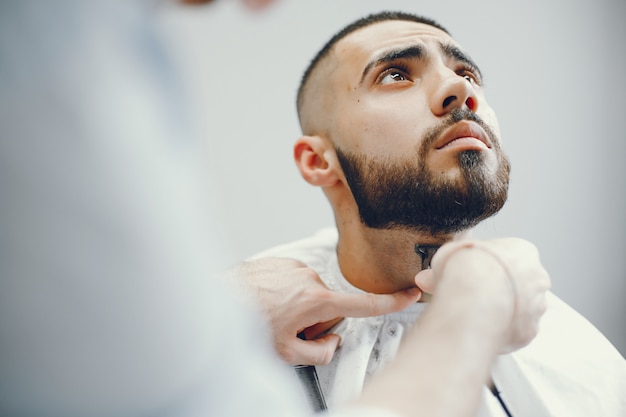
{"x":452,"y":91}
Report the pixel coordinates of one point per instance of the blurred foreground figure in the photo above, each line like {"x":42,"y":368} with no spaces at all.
{"x":106,"y":306}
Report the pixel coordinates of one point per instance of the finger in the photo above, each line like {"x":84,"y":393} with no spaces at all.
{"x":368,"y":304}
{"x":314,"y":331}
{"x":313,"y":352}
{"x":425,"y":280}
{"x":447,"y":250}
{"x":257,"y":4}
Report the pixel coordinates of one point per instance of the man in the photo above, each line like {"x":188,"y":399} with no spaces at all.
{"x":399,"y":135}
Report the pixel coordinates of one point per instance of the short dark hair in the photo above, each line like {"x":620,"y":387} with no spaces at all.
{"x":358,"y":24}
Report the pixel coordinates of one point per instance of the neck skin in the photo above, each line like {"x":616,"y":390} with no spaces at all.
{"x":380,"y":261}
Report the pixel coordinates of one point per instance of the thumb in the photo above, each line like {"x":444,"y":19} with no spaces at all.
{"x":317,"y":329}
{"x":317,"y":351}
{"x":369,"y":304}
{"x":425,"y":280}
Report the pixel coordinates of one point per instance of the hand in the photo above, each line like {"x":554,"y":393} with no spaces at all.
{"x":296,"y":300}
{"x":508,"y":272}
{"x":251,"y":4}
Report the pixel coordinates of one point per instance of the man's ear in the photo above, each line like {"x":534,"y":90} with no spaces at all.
{"x":317,"y":161}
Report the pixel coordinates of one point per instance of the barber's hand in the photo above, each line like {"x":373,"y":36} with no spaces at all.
{"x":506,"y":272}
{"x":251,"y":4}
{"x":296,"y":300}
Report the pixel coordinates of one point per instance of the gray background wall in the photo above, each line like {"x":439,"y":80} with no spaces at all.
{"x":555,"y":73}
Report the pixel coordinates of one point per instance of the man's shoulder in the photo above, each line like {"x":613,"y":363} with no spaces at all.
{"x":314,"y":250}
{"x":579,"y":371}
{"x":567,"y":337}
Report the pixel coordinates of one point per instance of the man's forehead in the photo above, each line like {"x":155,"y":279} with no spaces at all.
{"x":369,"y":41}
{"x":342,"y":68}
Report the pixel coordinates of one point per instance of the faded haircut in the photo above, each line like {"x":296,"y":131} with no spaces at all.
{"x":357,"y":24}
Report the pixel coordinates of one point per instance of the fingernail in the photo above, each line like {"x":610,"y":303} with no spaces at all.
{"x":413,"y":292}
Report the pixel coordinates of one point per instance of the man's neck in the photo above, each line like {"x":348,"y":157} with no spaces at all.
{"x":383,"y":261}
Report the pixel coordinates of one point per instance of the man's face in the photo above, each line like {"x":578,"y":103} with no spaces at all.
{"x":417,"y":141}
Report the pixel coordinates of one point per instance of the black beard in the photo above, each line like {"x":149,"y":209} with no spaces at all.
{"x":406,"y":195}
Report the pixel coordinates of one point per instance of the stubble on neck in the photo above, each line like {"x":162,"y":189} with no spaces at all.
{"x":383,"y":261}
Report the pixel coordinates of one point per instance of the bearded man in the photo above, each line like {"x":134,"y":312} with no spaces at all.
{"x":399,"y":135}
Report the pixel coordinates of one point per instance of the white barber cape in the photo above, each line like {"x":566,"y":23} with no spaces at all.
{"x":570,"y":369}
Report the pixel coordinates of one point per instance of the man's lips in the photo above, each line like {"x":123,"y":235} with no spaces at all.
{"x":464,"y":134}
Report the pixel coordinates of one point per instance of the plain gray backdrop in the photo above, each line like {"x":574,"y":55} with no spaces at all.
{"x":554,"y":72}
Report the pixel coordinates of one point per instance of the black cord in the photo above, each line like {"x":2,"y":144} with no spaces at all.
{"x":496,"y":393}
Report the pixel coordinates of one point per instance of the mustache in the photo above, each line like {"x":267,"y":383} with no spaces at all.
{"x":455,"y":116}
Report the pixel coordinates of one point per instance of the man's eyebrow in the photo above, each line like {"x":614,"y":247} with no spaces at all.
{"x":410,"y":52}
{"x":454,"y":52}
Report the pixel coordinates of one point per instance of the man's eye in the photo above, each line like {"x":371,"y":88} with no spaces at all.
{"x":470,"y":76}
{"x":393,"y":76}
